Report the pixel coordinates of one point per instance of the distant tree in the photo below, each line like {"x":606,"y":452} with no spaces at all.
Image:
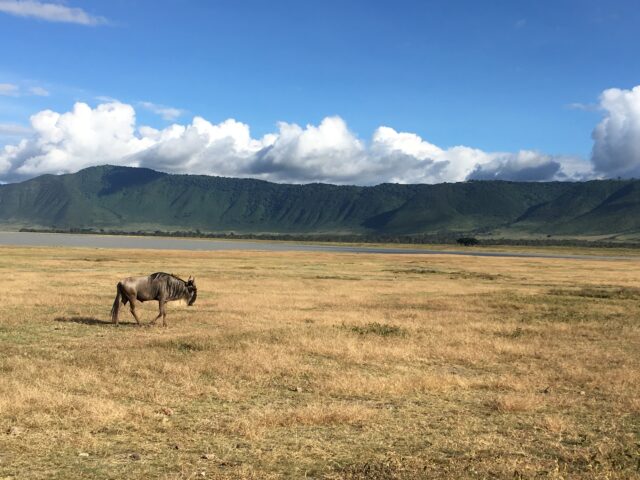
{"x":468,"y":241}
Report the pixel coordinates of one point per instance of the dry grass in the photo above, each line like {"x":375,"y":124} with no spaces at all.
{"x":319,"y":365}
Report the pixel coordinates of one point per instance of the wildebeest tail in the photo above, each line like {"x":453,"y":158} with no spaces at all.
{"x":116,"y":303}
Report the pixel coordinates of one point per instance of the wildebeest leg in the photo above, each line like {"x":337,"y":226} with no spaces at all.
{"x":132,"y":307}
{"x":161,"y":313}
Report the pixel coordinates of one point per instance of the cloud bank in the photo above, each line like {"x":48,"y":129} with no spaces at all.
{"x":50,"y":12}
{"x":327,"y":152}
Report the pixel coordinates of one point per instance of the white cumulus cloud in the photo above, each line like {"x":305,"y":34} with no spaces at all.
{"x":524,"y":165}
{"x":616,"y":147}
{"x":73,"y":140}
{"x":51,"y":12}
{"x":327,"y":152}
{"x":417,"y":161}
{"x":200,"y":147}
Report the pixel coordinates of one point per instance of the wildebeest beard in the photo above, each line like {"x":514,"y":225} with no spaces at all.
{"x":194,"y":295}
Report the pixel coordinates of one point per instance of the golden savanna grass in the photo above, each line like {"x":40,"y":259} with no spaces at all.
{"x":320,"y":365}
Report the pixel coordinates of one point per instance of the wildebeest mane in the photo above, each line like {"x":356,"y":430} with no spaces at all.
{"x":175,"y":287}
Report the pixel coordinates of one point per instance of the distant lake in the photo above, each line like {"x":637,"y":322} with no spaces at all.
{"x":29,"y":239}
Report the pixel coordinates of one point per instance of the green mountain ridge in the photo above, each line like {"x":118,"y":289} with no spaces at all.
{"x":124,"y":198}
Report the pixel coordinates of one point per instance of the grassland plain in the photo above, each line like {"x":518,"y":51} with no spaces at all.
{"x":320,"y":365}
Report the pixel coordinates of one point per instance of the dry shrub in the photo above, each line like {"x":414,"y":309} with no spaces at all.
{"x":555,"y":423}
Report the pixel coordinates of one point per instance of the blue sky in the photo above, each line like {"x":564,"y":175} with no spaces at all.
{"x":494,"y":75}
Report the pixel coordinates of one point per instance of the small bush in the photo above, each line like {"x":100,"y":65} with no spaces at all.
{"x":468,"y":241}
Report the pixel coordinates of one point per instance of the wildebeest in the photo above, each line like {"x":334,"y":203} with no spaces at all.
{"x":159,"y":286}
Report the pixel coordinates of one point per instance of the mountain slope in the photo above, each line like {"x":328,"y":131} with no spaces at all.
{"x":134,"y":198}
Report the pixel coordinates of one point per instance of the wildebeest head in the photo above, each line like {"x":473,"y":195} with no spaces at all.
{"x":192,"y":289}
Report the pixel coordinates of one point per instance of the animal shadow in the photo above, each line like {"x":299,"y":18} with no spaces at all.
{"x":90,"y":321}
